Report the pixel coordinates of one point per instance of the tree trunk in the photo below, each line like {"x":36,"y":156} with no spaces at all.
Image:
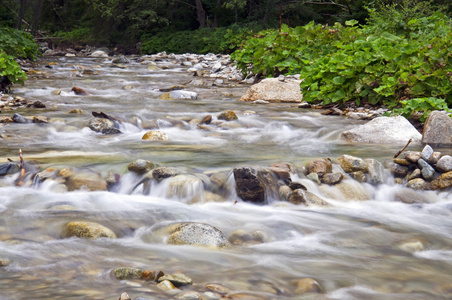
{"x":21,"y":14}
{"x":201,"y":14}
{"x":37,"y":17}
{"x":215,"y":16}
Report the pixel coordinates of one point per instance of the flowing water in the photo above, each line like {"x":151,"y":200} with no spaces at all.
{"x":352,"y":248}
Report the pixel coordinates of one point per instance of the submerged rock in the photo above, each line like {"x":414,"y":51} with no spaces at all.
{"x":383,"y":130}
{"x":307,"y":285}
{"x":89,"y":230}
{"x":140,"y":166}
{"x":127,"y":273}
{"x":86,"y":179}
{"x":319,"y":166}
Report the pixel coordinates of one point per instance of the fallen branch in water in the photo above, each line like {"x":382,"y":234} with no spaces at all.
{"x":398,"y":153}
{"x":22,"y":169}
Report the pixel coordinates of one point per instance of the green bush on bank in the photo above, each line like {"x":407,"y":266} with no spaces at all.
{"x":408,"y":66}
{"x":15,"y":44}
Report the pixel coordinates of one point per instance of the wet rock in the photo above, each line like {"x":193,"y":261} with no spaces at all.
{"x":47,"y":173}
{"x":350,"y":190}
{"x":412,"y":156}
{"x":417,"y":184}
{"x":227,"y":115}
{"x":426,"y":152}
{"x":444,"y":164}
{"x":166,"y":286}
{"x":307,"y":285}
{"x":79,"y":91}
{"x":239,"y":237}
{"x":9,"y":168}
{"x":415,"y":174}
{"x":434,"y":158}
{"x":254,"y":185}
{"x":359,"y":176}
{"x":86,"y":179}
{"x":103,"y":125}
{"x":183,"y":95}
{"x":178,"y":279}
{"x":402,"y":161}
{"x":412,"y":245}
{"x":39,"y":120}
{"x":191,"y":295}
{"x":217,"y":288}
{"x":427,"y":171}
{"x":399,"y":171}
{"x":37,"y":104}
{"x":207,"y":120}
{"x":124,"y":296}
{"x":438,"y":130}
{"x":89,"y":230}
{"x":152,"y":275}
{"x":376,"y":173}
{"x":75,"y":111}
{"x":99,"y":53}
{"x":155,"y":135}
{"x":4,"y":119}
{"x":164,"y":172}
{"x":127,"y":273}
{"x":295,"y":185}
{"x":4,"y":262}
{"x":298,"y":197}
{"x":197,"y":234}
{"x":352,"y":164}
{"x":17,"y":118}
{"x":319,"y":166}
{"x":120,"y":60}
{"x":140,"y":166}
{"x":284,"y":192}
{"x":314,"y":177}
{"x":186,"y":186}
{"x":332,"y":178}
{"x":383,"y":130}
{"x":444,"y":181}
{"x":274,"y":90}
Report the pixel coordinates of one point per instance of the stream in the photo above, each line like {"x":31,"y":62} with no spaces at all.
{"x":351,"y":248}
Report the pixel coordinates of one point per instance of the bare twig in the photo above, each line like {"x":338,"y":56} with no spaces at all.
{"x":398,"y":153}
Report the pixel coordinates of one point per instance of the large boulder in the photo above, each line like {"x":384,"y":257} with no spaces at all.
{"x":274,"y":90}
{"x":254,"y":184}
{"x":438,"y":130}
{"x":383,"y":130}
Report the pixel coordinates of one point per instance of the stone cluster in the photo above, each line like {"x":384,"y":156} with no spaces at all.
{"x":425,"y":170}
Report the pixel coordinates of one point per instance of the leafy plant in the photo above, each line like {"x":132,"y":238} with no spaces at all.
{"x":424,"y":105}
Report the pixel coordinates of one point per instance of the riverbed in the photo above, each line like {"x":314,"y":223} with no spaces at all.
{"x":353,"y":249}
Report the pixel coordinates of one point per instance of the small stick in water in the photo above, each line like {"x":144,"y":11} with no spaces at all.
{"x":22,"y":169}
{"x":398,"y":153}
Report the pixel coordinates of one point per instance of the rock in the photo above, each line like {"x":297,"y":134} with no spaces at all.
{"x":4,"y":262}
{"x":164,"y":172}
{"x":75,"y":111}
{"x":438,"y":130}
{"x":240,"y":237}
{"x":319,"y":166}
{"x":444,"y":164}
{"x":402,"y":161}
{"x":127,"y":273}
{"x":307,"y":285}
{"x":207,"y":120}
{"x":227,"y":115}
{"x":191,"y":295}
{"x":178,"y":279}
{"x":417,"y":184}
{"x":412,"y":156}
{"x":332,"y":178}
{"x":254,"y":185}
{"x":125,"y":296}
{"x":186,"y":186}
{"x":17,"y":118}
{"x":155,"y":135}
{"x":426,"y":152}
{"x":37,"y":104}
{"x":295,"y":185}
{"x":185,"y":95}
{"x":314,"y":177}
{"x":9,"y":168}
{"x":39,"y":120}
{"x":99,"y":53}
{"x":47,"y":173}
{"x":298,"y":197}
{"x":409,"y":196}
{"x":412,"y":245}
{"x":86,"y":179}
{"x":103,"y":125}
{"x":79,"y":91}
{"x":427,"y":171}
{"x":140,"y":166}
{"x":274,"y":90}
{"x":349,"y":190}
{"x":359,"y":176}
{"x":120,"y":60}
{"x":398,"y":170}
{"x":376,"y":173}
{"x":415,"y":174}
{"x":352,"y":164}
{"x":444,"y":181}
{"x":197,"y":234}
{"x":217,"y":288}
{"x":151,"y":275}
{"x":166,"y":286}
{"x":383,"y":130}
{"x":89,"y":230}
{"x":284,"y":192}
{"x":434,"y":158}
